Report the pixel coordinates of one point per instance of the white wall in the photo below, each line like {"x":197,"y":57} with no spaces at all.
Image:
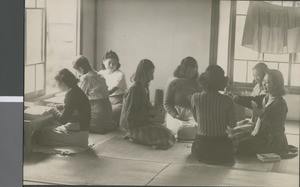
{"x":293,"y":102}
{"x":163,"y":31}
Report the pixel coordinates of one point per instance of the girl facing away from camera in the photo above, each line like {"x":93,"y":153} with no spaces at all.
{"x":137,"y":117}
{"x":94,"y":86}
{"x":271,"y":109}
{"x":180,"y":88}
{"x":214,"y":112}
{"x":72,"y":121}
{"x":116,"y":82}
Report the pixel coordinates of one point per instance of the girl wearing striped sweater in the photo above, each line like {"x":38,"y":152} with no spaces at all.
{"x":214,"y":112}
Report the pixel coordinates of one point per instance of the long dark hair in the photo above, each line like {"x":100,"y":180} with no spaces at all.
{"x":140,"y":75}
{"x":278,"y":81}
{"x":185,"y":63}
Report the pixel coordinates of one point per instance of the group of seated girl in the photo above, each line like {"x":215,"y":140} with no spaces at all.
{"x":196,"y":110}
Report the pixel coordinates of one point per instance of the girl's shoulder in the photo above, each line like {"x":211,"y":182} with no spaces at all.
{"x":280,"y":101}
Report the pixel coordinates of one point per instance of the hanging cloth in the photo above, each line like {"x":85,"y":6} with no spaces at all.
{"x":271,"y":28}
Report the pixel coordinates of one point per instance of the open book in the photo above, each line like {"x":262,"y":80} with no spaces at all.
{"x":34,"y":112}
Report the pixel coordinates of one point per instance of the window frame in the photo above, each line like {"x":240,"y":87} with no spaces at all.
{"x":42,"y":94}
{"x":37,"y":93}
{"x":231,"y":53}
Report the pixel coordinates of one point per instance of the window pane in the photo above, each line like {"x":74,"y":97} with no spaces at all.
{"x":242,"y":7}
{"x":29,"y":79}
{"x":40,"y":3}
{"x":240,"y":51}
{"x":295,"y":79}
{"x":30,"y":3}
{"x":250,"y":77}
{"x":240,"y":69}
{"x":39,"y":77}
{"x":61,"y":39}
{"x":34,"y":36}
{"x":297,"y":58}
{"x":287,"y":3}
{"x":284,"y":69}
{"x":276,"y":57}
{"x":276,"y":2}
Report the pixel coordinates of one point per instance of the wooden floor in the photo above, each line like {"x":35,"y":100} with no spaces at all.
{"x":114,"y":161}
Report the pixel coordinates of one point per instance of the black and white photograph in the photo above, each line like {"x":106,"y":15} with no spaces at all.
{"x":161,"y":93}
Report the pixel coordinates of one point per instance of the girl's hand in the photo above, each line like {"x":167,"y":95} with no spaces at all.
{"x":254,"y":132}
{"x":49,"y":111}
{"x":230,"y":94}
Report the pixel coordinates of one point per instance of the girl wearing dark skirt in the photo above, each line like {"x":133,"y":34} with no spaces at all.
{"x":272,"y":110}
{"x":71,"y":126}
{"x":138,"y":114}
{"x":214,"y":112}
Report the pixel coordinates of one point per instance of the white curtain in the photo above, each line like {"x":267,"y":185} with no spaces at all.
{"x":271,"y":28}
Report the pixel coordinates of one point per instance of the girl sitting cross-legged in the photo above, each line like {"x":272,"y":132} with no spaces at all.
{"x":137,"y":117}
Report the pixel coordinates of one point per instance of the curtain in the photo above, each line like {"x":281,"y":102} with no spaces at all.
{"x":271,"y":28}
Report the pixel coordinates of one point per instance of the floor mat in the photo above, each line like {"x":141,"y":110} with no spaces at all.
{"x":91,"y":170}
{"x":196,"y":175}
{"x":180,"y":153}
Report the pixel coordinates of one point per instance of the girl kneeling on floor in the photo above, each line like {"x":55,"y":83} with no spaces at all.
{"x":269,"y":136}
{"x":137,"y":112}
{"x":214,"y":112}
{"x":94,"y":86}
{"x":72,"y":127}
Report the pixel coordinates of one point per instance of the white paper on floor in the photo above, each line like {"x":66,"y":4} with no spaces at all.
{"x":62,"y":150}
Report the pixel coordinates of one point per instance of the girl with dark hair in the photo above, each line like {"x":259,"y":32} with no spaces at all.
{"x":137,"y":113}
{"x":179,"y":117}
{"x":214,"y":112}
{"x":94,"y":86}
{"x":116,"y":82}
{"x":72,"y":127}
{"x":272,"y":110}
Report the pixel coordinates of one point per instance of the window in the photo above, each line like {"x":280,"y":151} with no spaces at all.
{"x":51,"y":43}
{"x":35,"y":60}
{"x":242,"y":59}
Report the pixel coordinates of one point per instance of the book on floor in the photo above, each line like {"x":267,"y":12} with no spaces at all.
{"x":268,"y":157}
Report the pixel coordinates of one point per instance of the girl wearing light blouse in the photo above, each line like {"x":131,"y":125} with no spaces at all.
{"x":116,"y":82}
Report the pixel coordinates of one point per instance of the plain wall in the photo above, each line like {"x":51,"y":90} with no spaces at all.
{"x":163,"y":31}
